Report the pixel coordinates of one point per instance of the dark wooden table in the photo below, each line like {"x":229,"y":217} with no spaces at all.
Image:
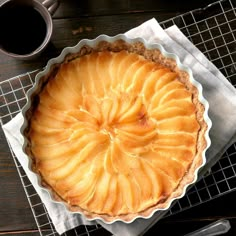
{"x":74,"y":20}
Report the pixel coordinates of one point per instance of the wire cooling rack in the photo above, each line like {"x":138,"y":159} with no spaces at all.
{"x":213,"y":31}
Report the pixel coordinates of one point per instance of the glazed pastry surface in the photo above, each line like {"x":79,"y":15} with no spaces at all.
{"x":114,"y":133}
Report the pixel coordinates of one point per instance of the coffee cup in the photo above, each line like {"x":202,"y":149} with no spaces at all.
{"x":25,"y":27}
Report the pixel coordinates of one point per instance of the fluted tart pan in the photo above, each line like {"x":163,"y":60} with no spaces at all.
{"x":116,"y":128}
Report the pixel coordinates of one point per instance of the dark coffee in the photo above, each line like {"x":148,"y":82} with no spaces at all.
{"x":22,"y":28}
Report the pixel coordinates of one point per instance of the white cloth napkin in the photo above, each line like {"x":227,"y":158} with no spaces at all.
{"x":220,"y":94}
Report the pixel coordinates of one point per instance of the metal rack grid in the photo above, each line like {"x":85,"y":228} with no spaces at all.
{"x":213,"y":31}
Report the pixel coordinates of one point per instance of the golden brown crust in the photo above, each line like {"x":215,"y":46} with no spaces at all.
{"x":152,"y":124}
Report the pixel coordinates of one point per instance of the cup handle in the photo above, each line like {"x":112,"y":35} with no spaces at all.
{"x":51,"y":5}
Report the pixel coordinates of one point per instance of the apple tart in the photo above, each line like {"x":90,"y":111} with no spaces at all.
{"x":116,"y":130}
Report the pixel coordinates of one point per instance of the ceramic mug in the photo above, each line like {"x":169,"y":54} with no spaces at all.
{"x":25,"y":27}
